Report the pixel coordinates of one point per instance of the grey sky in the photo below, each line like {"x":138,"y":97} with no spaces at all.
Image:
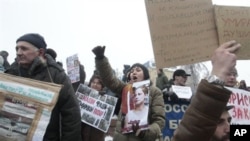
{"x":76,"y":26}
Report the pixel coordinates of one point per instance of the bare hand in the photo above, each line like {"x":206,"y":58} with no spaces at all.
{"x":224,"y":59}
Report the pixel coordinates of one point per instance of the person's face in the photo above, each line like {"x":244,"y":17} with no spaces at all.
{"x":96,"y":84}
{"x":222,"y":132}
{"x":26,"y":53}
{"x":139,"y":96}
{"x":230,"y":79}
{"x":136,"y":74}
{"x":180,"y":80}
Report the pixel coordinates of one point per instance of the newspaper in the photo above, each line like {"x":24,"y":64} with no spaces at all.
{"x":138,"y":106}
{"x":25,"y":107}
{"x":96,"y":110}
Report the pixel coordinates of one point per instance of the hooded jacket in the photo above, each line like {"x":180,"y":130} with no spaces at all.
{"x":156,"y":115}
{"x":65,"y":122}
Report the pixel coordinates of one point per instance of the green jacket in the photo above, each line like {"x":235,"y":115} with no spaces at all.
{"x":200,"y":119}
{"x":156,"y":116}
{"x":65,"y":122}
{"x":161,"y":81}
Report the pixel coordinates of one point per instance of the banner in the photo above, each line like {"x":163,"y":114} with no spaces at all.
{"x":96,"y":110}
{"x":241,"y":111}
{"x":174,"y":113}
{"x":25,"y":107}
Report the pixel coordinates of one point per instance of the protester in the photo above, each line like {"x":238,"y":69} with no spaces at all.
{"x":202,"y":119}
{"x":231,"y":78}
{"x":90,"y":133}
{"x":179,"y":79}
{"x":137,"y":73}
{"x":161,"y":79}
{"x":2,"y":69}
{"x":172,"y":101}
{"x":5,"y":55}
{"x":243,"y":85}
{"x":32,"y":62}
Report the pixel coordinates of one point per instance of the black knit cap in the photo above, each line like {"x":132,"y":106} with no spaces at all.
{"x":34,"y":39}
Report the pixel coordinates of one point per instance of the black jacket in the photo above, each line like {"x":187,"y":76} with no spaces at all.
{"x":65,"y":122}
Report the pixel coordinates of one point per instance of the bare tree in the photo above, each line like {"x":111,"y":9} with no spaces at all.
{"x":197,"y":71}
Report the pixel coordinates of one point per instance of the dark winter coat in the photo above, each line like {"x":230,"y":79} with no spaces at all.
{"x":65,"y":122}
{"x":156,"y":116}
{"x":161,"y":81}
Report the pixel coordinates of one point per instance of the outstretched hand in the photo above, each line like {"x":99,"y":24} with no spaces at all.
{"x":224,"y":59}
{"x":99,"y":51}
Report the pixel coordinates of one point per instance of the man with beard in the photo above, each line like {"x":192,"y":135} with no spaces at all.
{"x":222,"y":132}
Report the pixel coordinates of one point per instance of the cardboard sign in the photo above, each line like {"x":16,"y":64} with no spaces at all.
{"x":25,"y":107}
{"x":233,"y":23}
{"x":182,"y":32}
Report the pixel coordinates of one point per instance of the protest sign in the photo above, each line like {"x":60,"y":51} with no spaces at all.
{"x":73,"y":68}
{"x":137,"y":107}
{"x":25,"y":107}
{"x":184,"y":92}
{"x":233,"y":23}
{"x":182,"y":31}
{"x":240,"y":99}
{"x":96,"y":110}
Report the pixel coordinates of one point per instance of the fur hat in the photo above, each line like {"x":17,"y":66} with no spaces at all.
{"x":34,"y":39}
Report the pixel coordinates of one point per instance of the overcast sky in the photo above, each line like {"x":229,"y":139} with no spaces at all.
{"x":76,"y":26}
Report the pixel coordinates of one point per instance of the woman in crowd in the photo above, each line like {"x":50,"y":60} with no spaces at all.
{"x":137,"y":73}
{"x":90,"y":133}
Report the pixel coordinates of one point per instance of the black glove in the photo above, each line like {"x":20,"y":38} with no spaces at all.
{"x":99,"y":51}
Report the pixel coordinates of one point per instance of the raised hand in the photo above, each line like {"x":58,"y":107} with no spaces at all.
{"x":99,"y":51}
{"x":224,"y":59}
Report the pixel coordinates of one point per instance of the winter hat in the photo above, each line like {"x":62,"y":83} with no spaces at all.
{"x":144,"y":69}
{"x":180,"y":72}
{"x":34,"y":39}
{"x":52,"y":53}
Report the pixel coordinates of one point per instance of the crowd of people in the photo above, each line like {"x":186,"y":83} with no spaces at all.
{"x":206,"y":117}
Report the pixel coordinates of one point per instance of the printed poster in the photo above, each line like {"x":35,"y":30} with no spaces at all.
{"x":137,"y":107}
{"x":25,"y":107}
{"x":73,"y":68}
{"x":96,"y":110}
